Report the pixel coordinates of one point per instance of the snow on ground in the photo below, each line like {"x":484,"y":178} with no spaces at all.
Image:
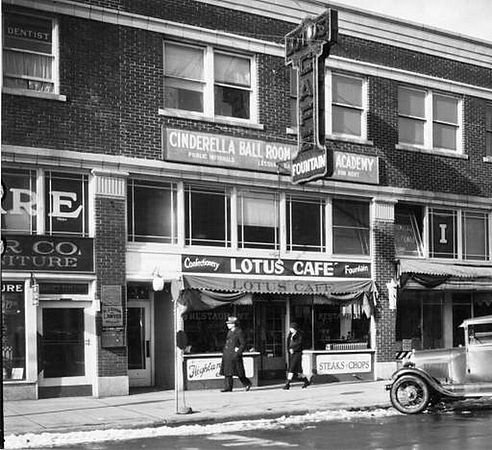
{"x":32,"y":440}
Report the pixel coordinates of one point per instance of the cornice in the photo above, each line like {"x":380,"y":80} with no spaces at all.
{"x":96,"y":162}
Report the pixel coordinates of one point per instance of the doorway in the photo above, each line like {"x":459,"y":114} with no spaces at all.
{"x":139,"y":343}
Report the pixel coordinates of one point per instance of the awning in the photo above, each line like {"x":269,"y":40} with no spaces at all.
{"x":215,"y":291}
{"x":431,"y":274}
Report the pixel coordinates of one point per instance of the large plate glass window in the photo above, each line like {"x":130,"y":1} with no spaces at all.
{"x":443,"y":233}
{"x":232,"y":85}
{"x":184,"y":78}
{"x":411,"y":116}
{"x":66,"y":200}
{"x":258,"y":220}
{"x":28,"y":53}
{"x":350,"y":227}
{"x":488,"y":129}
{"x":151,"y":212}
{"x":19,"y":204}
{"x":207,"y":216}
{"x":475,"y":235}
{"x":408,"y":230}
{"x":347,"y":105}
{"x":305,"y":224}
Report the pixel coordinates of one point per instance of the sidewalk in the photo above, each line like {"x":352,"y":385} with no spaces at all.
{"x":158,"y":408}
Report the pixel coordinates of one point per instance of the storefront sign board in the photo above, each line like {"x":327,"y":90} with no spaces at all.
{"x":225,"y":151}
{"x":48,"y":253}
{"x":343,"y":363}
{"x":274,"y":267}
{"x":355,"y":167}
{"x":199,"y":369}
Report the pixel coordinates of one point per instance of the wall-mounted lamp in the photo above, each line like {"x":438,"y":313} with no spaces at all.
{"x":157,"y":280}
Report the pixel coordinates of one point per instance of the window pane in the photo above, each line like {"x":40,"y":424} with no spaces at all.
{"x":258,"y":221}
{"x":231,"y":102}
{"x":183,"y":62}
{"x":443,"y":234}
{"x":488,"y":151}
{"x":152,"y":215}
{"x":445,"y":109}
{"x":347,"y":91}
{"x":28,"y":33}
{"x":411,"y":102}
{"x":408,"y":230}
{"x":488,"y":127}
{"x":37,"y":66}
{"x":66,"y":199}
{"x":475,"y":236}
{"x":305,"y":225}
{"x":19,"y":202}
{"x":410,"y":131}
{"x":444,"y":136}
{"x":346,"y":121}
{"x":232,"y":70}
{"x":350,"y":227}
{"x":183,"y":94}
{"x":207,"y":218}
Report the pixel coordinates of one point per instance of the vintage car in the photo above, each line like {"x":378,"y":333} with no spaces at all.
{"x":431,"y":376}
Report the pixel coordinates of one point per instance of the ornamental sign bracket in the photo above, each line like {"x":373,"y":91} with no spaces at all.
{"x":306,"y":49}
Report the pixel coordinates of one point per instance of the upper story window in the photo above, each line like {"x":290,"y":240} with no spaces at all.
{"x":258,"y":221}
{"x":475,"y":234}
{"x":408,"y":230}
{"x":30,"y":53}
{"x":293,"y":97}
{"x":209,"y":82}
{"x":348,"y":106}
{"x":350,"y":227}
{"x":305,"y":224}
{"x":429,"y":120}
{"x":152,"y":212}
{"x":488,"y":131}
{"x":207,"y":216}
{"x":64,"y":200}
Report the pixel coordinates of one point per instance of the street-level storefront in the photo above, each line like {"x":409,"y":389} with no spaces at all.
{"x":435,"y":298}
{"x":331,"y":301}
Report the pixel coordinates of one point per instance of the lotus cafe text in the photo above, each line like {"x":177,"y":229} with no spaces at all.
{"x":332,"y":301}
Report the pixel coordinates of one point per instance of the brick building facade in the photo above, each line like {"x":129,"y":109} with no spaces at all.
{"x":144,"y":142}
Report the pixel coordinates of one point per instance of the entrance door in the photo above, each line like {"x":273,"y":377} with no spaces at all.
{"x":138,"y":329}
{"x":270,"y":337}
{"x":64,"y":345}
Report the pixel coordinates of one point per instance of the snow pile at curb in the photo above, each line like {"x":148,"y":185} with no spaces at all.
{"x":31,"y":440}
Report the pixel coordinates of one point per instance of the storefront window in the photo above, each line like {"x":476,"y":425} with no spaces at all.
{"x":408,"y":230}
{"x":151,"y":212}
{"x":475,"y":236}
{"x":207,"y":213}
{"x":14,"y":331}
{"x":258,"y":220}
{"x":300,"y":212}
{"x":206,"y":330}
{"x":443,"y":233}
{"x":350,"y":227}
{"x":66,"y":199}
{"x":19,"y":204}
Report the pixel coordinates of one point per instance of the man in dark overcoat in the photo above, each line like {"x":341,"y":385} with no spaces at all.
{"x":232,"y":356}
{"x":294,"y":347}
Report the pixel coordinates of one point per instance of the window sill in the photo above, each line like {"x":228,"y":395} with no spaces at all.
{"x":431,"y":151}
{"x":351,"y":139}
{"x":487,"y":159}
{"x":34,"y":94}
{"x":201,"y":117}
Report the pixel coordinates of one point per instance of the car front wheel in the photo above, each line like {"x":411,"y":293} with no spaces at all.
{"x":410,"y":394}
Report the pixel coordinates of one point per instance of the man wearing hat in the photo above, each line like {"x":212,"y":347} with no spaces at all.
{"x":294,"y":346}
{"x":232,"y":356}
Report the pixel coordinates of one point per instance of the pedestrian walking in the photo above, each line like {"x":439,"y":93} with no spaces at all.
{"x":232,"y":356}
{"x":294,"y":347}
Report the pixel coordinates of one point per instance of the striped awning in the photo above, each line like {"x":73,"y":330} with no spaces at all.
{"x":451,"y":270}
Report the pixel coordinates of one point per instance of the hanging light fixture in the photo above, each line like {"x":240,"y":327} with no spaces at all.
{"x":157,"y":280}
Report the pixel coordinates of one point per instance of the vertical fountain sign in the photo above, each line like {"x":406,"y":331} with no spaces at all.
{"x":306,"y":48}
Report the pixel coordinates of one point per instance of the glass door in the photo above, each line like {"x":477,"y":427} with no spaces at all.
{"x":63,"y":345}
{"x":139,"y":351}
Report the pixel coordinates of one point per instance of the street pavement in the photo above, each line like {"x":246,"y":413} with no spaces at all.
{"x":157,"y":408}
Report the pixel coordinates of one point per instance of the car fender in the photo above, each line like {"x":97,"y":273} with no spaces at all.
{"x":433,"y":383}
